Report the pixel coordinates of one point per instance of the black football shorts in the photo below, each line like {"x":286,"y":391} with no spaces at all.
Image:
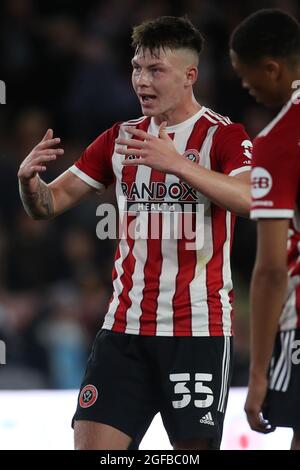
{"x":130,"y":378}
{"x":282,"y":404}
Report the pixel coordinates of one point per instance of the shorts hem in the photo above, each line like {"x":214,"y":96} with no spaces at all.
{"x":108,"y":422}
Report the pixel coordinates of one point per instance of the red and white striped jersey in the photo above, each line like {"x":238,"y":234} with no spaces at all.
{"x":276,"y":193}
{"x":166,"y":284}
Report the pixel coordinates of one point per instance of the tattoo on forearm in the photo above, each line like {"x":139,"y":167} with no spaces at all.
{"x":39,"y":203}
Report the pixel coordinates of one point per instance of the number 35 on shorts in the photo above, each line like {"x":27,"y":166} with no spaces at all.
{"x":181,"y":388}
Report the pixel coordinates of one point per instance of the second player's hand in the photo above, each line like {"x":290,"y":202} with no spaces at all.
{"x":40,"y":155}
{"x":257,"y":391}
{"x":158,"y":153}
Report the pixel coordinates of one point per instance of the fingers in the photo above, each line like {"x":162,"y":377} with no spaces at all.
{"x":42,"y":159}
{"x":162,"y":127}
{"x":42,"y":156}
{"x":131,"y":142}
{"x":138,"y":133}
{"x":48,"y":135}
{"x":37,"y":168}
{"x":38,"y":160}
{"x":135,"y":162}
{"x":39,"y":156}
{"x":50,"y":152}
{"x":258,"y":423}
{"x":29,"y":171}
{"x":137,"y":152}
{"x":162,"y":133}
{"x":47,"y":143}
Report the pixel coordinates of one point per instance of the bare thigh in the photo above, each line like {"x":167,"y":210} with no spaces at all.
{"x":89,"y":435}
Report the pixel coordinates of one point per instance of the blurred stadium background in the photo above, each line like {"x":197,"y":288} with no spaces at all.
{"x":66,"y":65}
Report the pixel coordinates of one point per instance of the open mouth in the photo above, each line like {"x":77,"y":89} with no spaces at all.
{"x":147,"y":99}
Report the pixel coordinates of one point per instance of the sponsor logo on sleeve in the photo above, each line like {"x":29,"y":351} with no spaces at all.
{"x":261,"y":182}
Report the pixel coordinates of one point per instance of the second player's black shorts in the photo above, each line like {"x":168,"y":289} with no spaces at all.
{"x":282,"y":404}
{"x":130,"y":378}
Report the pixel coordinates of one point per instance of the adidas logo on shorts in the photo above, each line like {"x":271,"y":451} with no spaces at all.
{"x":207,"y":419}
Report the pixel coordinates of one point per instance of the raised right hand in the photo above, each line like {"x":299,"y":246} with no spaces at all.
{"x":41,"y":154}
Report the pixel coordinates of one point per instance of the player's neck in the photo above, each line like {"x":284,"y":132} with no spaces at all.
{"x":179,"y":114}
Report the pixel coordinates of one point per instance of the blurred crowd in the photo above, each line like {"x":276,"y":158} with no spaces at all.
{"x":66,"y":65}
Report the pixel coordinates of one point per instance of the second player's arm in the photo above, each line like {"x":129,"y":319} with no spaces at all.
{"x":268,"y":289}
{"x":230,"y":192}
{"x":267,"y":293}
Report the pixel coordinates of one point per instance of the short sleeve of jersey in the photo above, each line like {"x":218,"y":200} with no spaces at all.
{"x":232,"y":149}
{"x":95,"y":164}
{"x":274,"y":178}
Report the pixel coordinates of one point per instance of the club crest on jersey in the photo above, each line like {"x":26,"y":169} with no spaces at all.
{"x":192,"y":155}
{"x":88,"y":396}
{"x":247,"y":146}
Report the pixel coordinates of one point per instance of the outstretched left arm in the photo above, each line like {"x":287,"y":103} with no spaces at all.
{"x":229,"y":192}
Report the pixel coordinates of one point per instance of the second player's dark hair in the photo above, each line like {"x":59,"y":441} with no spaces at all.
{"x":268,"y":32}
{"x":167,"y":31}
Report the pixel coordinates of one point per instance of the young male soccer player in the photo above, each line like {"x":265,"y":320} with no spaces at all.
{"x":265,"y":52}
{"x":165,"y":345}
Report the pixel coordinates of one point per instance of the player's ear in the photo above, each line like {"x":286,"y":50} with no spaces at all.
{"x":273,"y":68}
{"x":191,"y":75}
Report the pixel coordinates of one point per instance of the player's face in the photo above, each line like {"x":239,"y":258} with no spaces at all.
{"x":257,"y":80}
{"x":160,"y":80}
